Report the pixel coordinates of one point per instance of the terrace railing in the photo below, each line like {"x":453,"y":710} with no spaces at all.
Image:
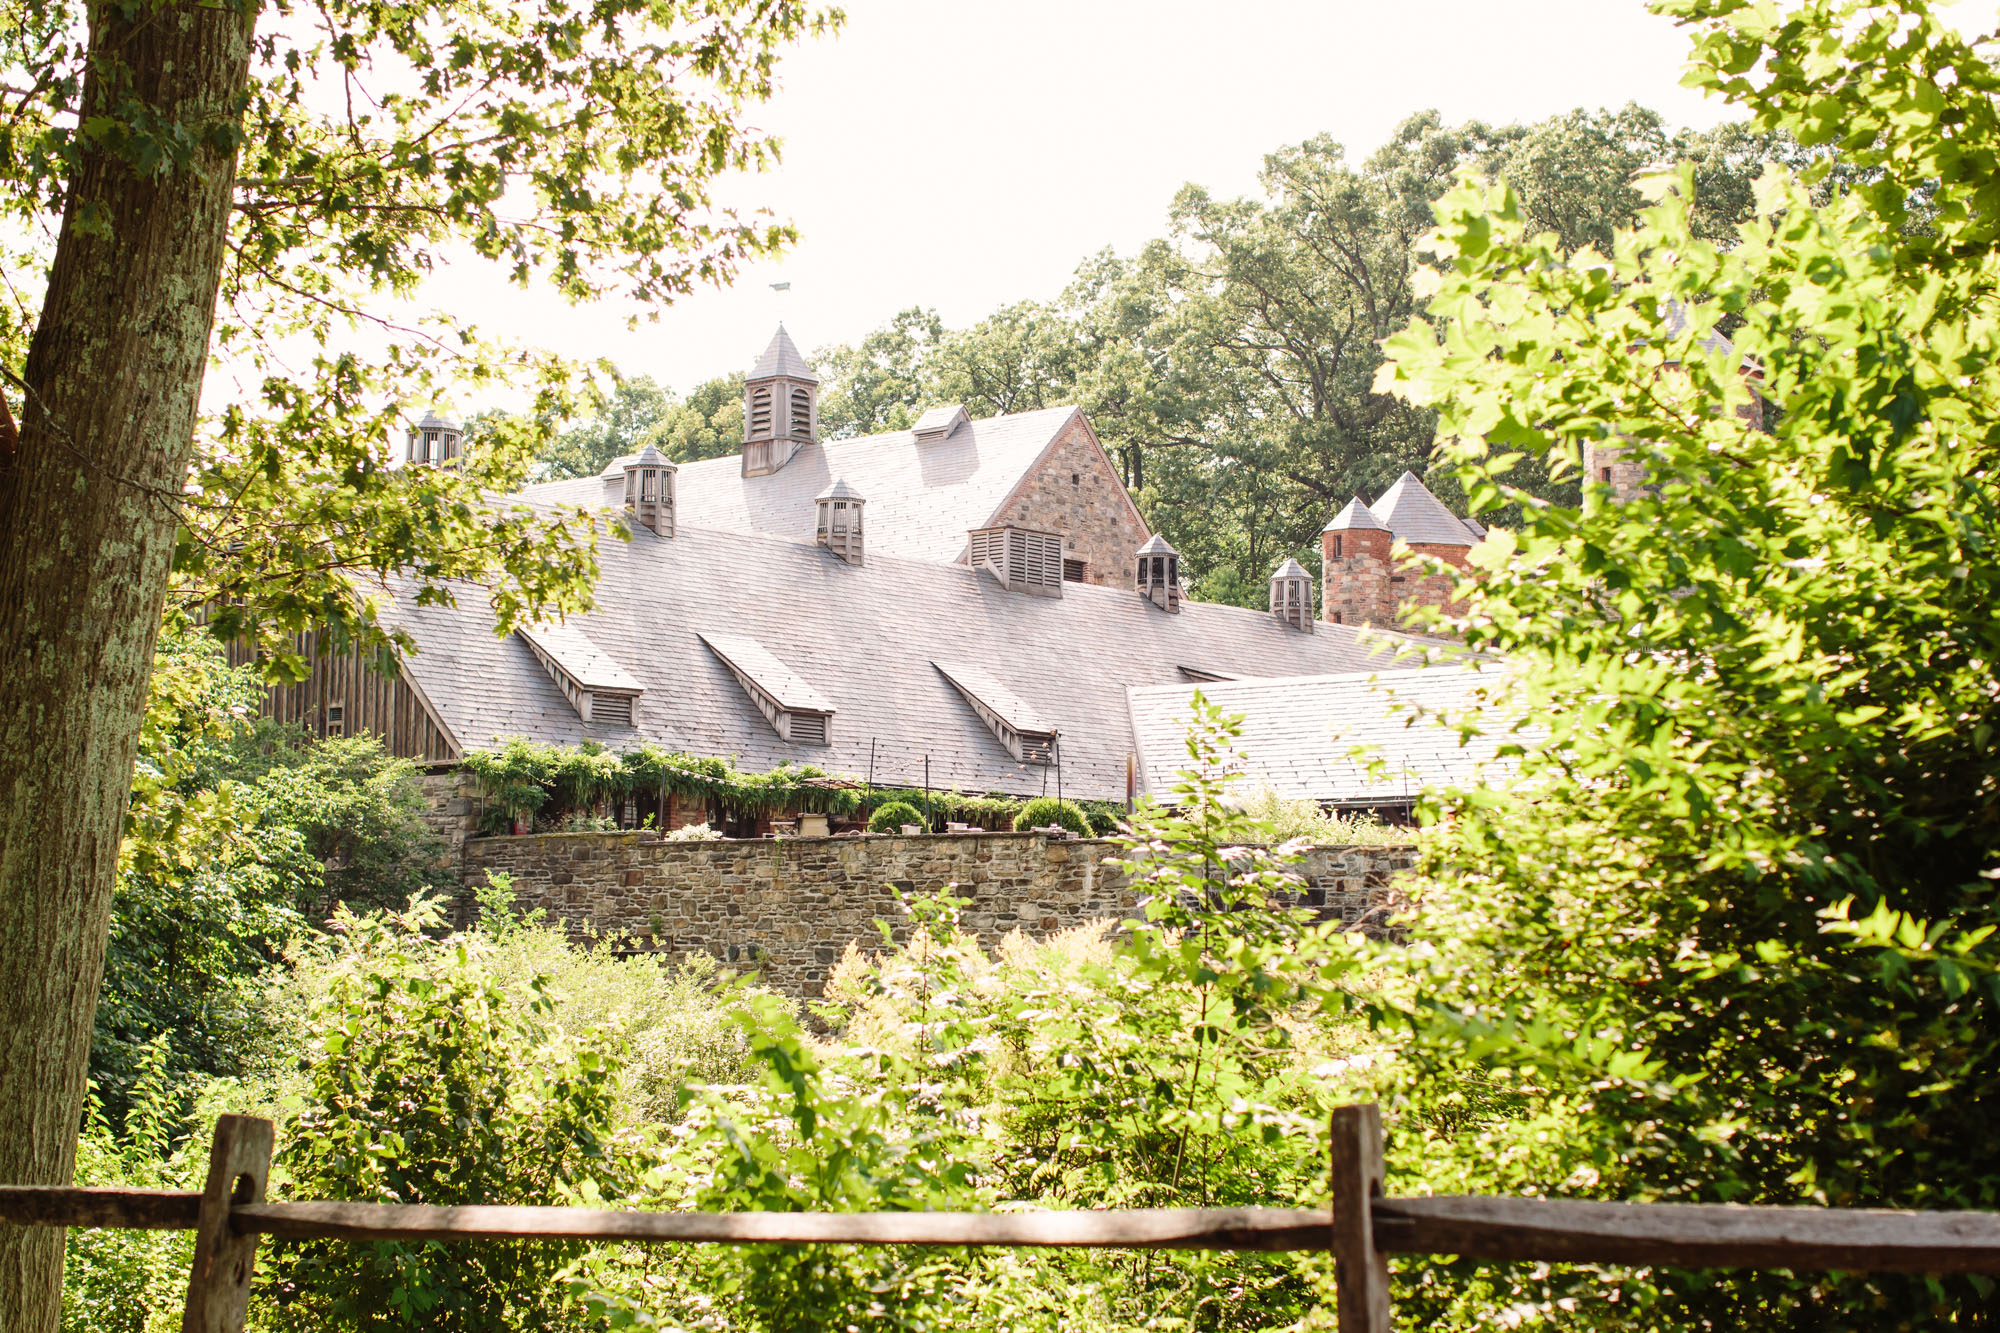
{"x":1364,"y":1226}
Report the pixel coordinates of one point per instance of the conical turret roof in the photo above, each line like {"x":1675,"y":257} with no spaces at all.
{"x":651,"y":457}
{"x":782,"y":358}
{"x":1414,"y":515}
{"x":1291,"y":569}
{"x":839,"y":490}
{"x":1356,"y":515}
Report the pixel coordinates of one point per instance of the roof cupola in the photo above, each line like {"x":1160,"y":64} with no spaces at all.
{"x":780,"y":407}
{"x":839,"y":525}
{"x":1292,"y":595}
{"x":649,"y":490}
{"x":437,"y":440}
{"x":1159,"y":578}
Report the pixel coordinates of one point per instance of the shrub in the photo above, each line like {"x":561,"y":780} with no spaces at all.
{"x":427,"y":1081}
{"x":1047,"y":810}
{"x":1304,"y":819}
{"x":891,"y":817}
{"x":694,"y":833}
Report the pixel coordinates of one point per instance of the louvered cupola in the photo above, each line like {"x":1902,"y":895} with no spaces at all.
{"x":1159,"y":577}
{"x":1292,"y":595}
{"x":780,"y":407}
{"x":649,"y":490}
{"x":839,"y":524}
{"x":437,"y":440}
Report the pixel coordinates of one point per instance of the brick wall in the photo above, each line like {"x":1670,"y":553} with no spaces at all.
{"x":1077,"y":492}
{"x":789,"y":907}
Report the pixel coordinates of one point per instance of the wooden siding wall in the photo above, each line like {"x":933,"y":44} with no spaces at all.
{"x":371,"y":701}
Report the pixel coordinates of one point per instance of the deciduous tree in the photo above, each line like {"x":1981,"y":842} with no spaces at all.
{"x":306,"y":165}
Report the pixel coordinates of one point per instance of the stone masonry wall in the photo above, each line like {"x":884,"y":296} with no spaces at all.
{"x":1077,"y":492}
{"x":451,"y":807}
{"x":789,"y":907}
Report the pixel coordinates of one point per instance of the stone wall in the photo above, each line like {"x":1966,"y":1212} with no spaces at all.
{"x":789,"y":907}
{"x":1076,"y":492}
{"x":451,"y":806}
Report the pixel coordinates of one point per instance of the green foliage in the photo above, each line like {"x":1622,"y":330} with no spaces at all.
{"x":237,"y":835}
{"x":1228,"y":365}
{"x":622,"y":424}
{"x":1304,"y":820}
{"x":427,"y":1082}
{"x":890,"y":818}
{"x":1731,"y":937}
{"x":132,"y":1281}
{"x":1047,"y":812}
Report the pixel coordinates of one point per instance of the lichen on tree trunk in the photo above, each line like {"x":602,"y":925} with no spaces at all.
{"x":113,"y":379}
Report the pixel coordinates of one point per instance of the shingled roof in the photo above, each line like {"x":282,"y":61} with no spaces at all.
{"x":1298,"y":733}
{"x":1417,"y":517}
{"x":863,"y":639}
{"x":922,"y":499}
{"x":782,"y":358}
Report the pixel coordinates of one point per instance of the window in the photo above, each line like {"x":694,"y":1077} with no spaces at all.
{"x":1076,"y":479}
{"x":1604,"y":475}
{"x":1335,"y":618}
{"x":801,"y":412}
{"x":760,"y":411}
{"x":1075,"y":571}
{"x":336,"y":719}
{"x":1336,"y":546}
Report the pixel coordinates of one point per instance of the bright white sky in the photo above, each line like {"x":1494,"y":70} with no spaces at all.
{"x":964,"y":155}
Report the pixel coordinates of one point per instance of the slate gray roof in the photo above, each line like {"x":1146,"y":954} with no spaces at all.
{"x":1291,"y":569}
{"x":1355,"y":515}
{"x":1414,"y":515}
{"x":922,"y":499}
{"x":754,"y":660}
{"x":433,"y":421}
{"x":940,"y":422}
{"x":575,"y":653}
{"x":1298,"y":732}
{"x":1010,"y":707}
{"x":864,"y":637}
{"x":782,"y":358}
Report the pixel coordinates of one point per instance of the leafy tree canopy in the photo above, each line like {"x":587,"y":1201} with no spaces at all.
{"x":571,"y":146}
{"x":1731,"y":935}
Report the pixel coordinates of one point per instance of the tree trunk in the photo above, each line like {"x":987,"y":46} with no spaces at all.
{"x":87,"y":523}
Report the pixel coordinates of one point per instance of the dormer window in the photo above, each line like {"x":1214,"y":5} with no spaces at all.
{"x":1023,"y":559}
{"x":597,"y":687}
{"x":940,"y":423}
{"x":1013,"y":722}
{"x":795,"y":710}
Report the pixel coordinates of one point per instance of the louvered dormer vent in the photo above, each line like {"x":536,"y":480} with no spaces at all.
{"x":795,"y":710}
{"x":1011,"y":719}
{"x":1023,"y":559}
{"x":940,"y":423}
{"x":598,"y":688}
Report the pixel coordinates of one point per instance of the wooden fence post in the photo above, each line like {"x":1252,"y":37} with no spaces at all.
{"x":1360,"y":1270}
{"x":239,"y":1163}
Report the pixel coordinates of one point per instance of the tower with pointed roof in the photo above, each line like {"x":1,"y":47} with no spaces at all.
{"x":1361,"y":583}
{"x":780,"y":407}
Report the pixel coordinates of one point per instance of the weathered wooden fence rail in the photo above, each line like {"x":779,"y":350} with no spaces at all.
{"x":229,"y":1215}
